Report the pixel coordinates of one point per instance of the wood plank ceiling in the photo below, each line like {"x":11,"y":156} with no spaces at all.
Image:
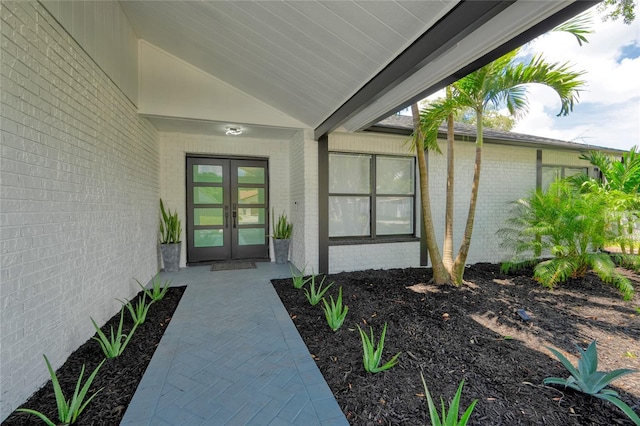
{"x":305,"y":58}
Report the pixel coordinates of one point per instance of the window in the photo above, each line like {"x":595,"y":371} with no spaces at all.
{"x":551,"y":173}
{"x":371,"y":195}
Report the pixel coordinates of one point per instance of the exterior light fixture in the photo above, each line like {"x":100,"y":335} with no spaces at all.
{"x":234,"y":131}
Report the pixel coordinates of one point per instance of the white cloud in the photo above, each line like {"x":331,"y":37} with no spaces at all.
{"x":609,"y":110}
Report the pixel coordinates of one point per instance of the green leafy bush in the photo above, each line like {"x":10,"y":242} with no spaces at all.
{"x":335,"y":312}
{"x":450,"y":418}
{"x":315,"y":295}
{"x":371,"y":357}
{"x":68,"y":410}
{"x":569,"y":226}
{"x":588,"y":380}
{"x":115,"y":344}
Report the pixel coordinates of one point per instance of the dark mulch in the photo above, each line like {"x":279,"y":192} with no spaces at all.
{"x":119,"y":377}
{"x":471,"y":332}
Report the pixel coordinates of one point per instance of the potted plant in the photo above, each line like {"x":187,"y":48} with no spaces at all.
{"x":281,"y":237}
{"x":170,"y":246}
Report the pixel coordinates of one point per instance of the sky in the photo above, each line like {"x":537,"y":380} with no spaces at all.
{"x":608,"y":112}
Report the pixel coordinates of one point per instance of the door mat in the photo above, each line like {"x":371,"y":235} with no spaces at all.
{"x":228,"y":266}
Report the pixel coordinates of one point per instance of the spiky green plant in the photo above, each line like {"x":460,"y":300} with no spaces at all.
{"x":170,"y":227}
{"x":371,"y":357}
{"x":68,"y":410}
{"x":335,"y":312}
{"x":115,"y":344}
{"x":314,"y":296}
{"x":588,"y":380}
{"x":158,"y":289}
{"x":450,"y":418}
{"x":569,"y":226}
{"x":283,"y":229}
{"x":298,"y":279}
{"x":139,"y":310}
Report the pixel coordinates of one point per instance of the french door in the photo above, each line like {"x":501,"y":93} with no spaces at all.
{"x":227,"y":209}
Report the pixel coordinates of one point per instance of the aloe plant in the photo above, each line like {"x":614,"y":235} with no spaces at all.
{"x":298,"y":279}
{"x":115,"y":344}
{"x":588,"y":380}
{"x":335,"y":312}
{"x":371,"y":357}
{"x":157,"y":290}
{"x":283,"y":228}
{"x":140,"y":310}
{"x":314,"y":296}
{"x":450,"y":418}
{"x":68,"y":410}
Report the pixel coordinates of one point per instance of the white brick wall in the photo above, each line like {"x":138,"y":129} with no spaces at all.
{"x":78,"y":199}
{"x":507,"y":173}
{"x":174,"y":148}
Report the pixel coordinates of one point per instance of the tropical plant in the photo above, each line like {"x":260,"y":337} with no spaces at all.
{"x":335,"y":312}
{"x":628,"y":261}
{"x":115,"y":344}
{"x":315,"y":295}
{"x":158,"y":289}
{"x":170,"y":227}
{"x":450,"y":418}
{"x":298,"y":279}
{"x":588,"y":380}
{"x":621,"y":186}
{"x":371,"y":357}
{"x":283,"y":228}
{"x":569,"y":226}
{"x":68,"y":410}
{"x":502,"y":82}
{"x":140,"y":310}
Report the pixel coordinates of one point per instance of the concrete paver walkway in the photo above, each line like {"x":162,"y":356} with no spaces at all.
{"x":232,"y":356}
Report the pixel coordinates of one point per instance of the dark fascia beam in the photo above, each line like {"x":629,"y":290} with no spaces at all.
{"x":351,"y":108}
{"x":461,"y":21}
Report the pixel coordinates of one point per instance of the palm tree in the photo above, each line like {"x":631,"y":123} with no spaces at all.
{"x":502,"y":82}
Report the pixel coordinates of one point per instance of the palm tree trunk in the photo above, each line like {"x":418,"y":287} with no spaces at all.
{"x":440,"y":275}
{"x":461,"y":258}
{"x":447,"y":246}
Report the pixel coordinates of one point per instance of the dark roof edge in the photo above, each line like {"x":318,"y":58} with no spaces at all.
{"x":527,"y":141}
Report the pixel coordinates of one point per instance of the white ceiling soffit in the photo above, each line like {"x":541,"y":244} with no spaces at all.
{"x":304,"y":58}
{"x":515,"y":20}
{"x":218,"y":128}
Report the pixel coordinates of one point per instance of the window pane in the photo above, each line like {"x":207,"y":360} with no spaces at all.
{"x":250,"y":216}
{"x":572,"y":171}
{"x":349,"y":216}
{"x":549,"y":175}
{"x":208,"y":237}
{"x":251,"y":175}
{"x":394,"y":215}
{"x":251,"y":236}
{"x":349,"y":173}
{"x":204,"y":217}
{"x":394,"y":175}
{"x":205,"y":173}
{"x":250,"y":195}
{"x":207,"y":195}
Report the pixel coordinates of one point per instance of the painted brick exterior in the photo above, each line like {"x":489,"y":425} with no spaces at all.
{"x":174,"y":148}
{"x":79,"y":198}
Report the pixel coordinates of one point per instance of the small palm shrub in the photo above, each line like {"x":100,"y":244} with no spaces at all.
{"x":588,"y":380}
{"x":567,"y":225}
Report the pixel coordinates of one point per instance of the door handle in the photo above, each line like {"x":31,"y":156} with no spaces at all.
{"x":234,"y":216}
{"x":226,"y":216}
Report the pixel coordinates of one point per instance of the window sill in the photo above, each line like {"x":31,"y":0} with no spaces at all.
{"x":368,"y":240}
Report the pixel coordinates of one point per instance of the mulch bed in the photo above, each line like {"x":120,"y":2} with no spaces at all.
{"x":119,"y":377}
{"x":473,"y":333}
